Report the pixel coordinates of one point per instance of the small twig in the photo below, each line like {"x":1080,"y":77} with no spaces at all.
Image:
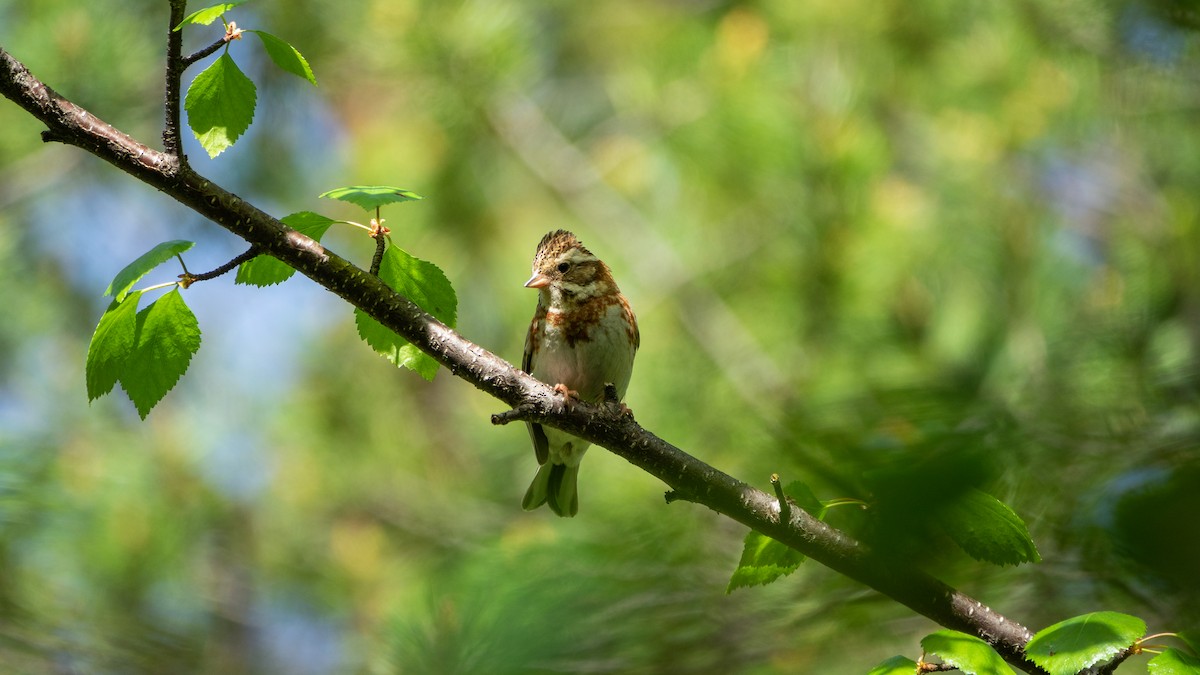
{"x":522,"y":413}
{"x":201,"y":53}
{"x":377,"y":259}
{"x":187,"y":278}
{"x":785,"y":509}
{"x":232,"y":32}
{"x":379,"y":233}
{"x":671,"y":496}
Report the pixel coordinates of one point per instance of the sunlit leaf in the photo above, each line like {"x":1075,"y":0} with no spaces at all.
{"x":111,"y":345}
{"x":137,"y":269}
{"x":168,"y":335}
{"x":424,"y":284}
{"x":371,"y":197}
{"x":220,"y":105}
{"x":1082,"y":641}
{"x":763,"y":560}
{"x":897,"y":665}
{"x":988,"y":530}
{"x":285,"y":56}
{"x":965,"y":652}
{"x":208,"y":15}
{"x":265,"y":270}
{"x":1173,"y":662}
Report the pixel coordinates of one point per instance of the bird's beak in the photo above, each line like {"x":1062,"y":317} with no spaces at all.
{"x":538,"y":280}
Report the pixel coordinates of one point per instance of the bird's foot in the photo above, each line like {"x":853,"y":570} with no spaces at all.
{"x":570,"y":396}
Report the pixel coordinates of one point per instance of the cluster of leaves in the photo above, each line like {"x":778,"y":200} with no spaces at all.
{"x":148,"y":351}
{"x":981,"y":525}
{"x":221,"y":99}
{"x":988,"y":531}
{"x":1067,"y":647}
{"x":145,"y":351}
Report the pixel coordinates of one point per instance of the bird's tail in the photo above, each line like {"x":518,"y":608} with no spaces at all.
{"x":556,"y":485}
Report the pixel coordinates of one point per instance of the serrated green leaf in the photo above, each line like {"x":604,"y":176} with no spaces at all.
{"x":286,"y":56}
{"x":763,"y":560}
{"x":965,"y":652}
{"x":111,"y":345}
{"x":988,"y":530}
{"x":897,"y":665}
{"x":371,"y":197}
{"x":137,"y":269}
{"x":168,"y":335}
{"x":208,"y":15}
{"x":424,"y":284}
{"x":1082,"y":641}
{"x":1173,"y":662}
{"x":265,"y":270}
{"x":1190,"y":638}
{"x":799,"y":492}
{"x":220,"y":105}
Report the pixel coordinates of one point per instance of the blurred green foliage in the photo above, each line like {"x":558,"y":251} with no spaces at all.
{"x":892,"y":249}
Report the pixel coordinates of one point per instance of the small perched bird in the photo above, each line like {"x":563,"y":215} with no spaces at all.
{"x":583,"y":336}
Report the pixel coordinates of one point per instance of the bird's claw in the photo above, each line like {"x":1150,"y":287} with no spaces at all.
{"x":570,"y":396}
{"x":611,"y":400}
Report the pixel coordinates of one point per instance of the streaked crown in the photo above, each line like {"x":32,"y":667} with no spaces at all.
{"x":565,"y":265}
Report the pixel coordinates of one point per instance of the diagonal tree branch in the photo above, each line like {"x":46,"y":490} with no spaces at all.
{"x":532,"y":400}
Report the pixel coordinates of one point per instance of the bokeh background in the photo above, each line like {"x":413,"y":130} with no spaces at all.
{"x":882,"y":247}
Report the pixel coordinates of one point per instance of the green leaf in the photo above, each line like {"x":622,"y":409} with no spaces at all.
{"x":965,"y":652}
{"x":799,"y":492}
{"x":1173,"y":662}
{"x":285,"y":56}
{"x":371,"y":197}
{"x":1077,"y":643}
{"x":265,"y":270}
{"x":207,"y":15}
{"x":220,"y":105}
{"x":763,"y":560}
{"x":111,"y":345}
{"x":897,"y":665}
{"x":137,"y":269}
{"x":423,"y":283}
{"x":167,"y":338}
{"x":988,"y":530}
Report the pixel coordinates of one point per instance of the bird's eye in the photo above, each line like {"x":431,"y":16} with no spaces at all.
{"x":563,"y":267}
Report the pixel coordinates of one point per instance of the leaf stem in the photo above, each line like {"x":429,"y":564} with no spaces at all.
{"x":845,"y":501}
{"x":155,"y":287}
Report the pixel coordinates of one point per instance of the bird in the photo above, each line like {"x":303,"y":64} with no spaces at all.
{"x":583,"y":336}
